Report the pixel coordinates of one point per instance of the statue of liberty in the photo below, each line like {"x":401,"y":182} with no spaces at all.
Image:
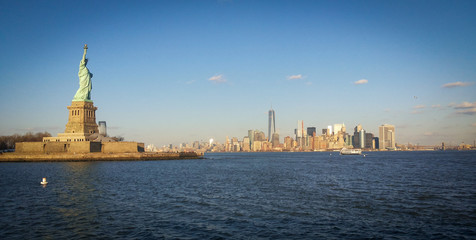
{"x":85,"y":86}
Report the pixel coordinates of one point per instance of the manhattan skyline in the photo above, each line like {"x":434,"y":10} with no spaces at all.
{"x":178,"y":71}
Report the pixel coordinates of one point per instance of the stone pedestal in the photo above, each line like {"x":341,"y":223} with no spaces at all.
{"x":81,"y":123}
{"x":82,"y":118}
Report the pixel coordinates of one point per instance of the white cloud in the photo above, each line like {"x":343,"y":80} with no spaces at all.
{"x":217,"y":79}
{"x":419,"y":107}
{"x":436,"y":106}
{"x":464,"y":105}
{"x":471,"y":111}
{"x":457,"y":84}
{"x":294,"y":77}
{"x":361,"y":81}
{"x":466,"y":108}
{"x":309,"y":83}
{"x":190,"y":82}
{"x":428,"y":134}
{"x":416,"y":112}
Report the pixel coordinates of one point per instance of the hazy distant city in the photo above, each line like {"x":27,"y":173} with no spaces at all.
{"x":307,"y":138}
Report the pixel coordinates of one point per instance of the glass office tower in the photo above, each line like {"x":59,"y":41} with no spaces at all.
{"x":271,"y":124}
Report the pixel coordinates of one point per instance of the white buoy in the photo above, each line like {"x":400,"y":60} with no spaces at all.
{"x":44,"y":182}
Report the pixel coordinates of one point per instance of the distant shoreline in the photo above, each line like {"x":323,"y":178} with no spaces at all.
{"x":363,"y":150}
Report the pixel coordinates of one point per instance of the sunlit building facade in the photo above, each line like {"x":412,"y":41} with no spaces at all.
{"x":386,"y":134}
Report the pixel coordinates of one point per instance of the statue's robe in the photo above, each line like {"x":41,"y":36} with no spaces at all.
{"x":85,"y":85}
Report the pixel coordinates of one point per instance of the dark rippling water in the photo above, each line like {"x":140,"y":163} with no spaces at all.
{"x":401,"y":195}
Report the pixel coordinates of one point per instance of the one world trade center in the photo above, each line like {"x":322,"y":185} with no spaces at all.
{"x":271,"y":124}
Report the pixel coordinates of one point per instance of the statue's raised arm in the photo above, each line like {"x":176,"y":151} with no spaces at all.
{"x":85,"y":85}
{"x":85,"y":51}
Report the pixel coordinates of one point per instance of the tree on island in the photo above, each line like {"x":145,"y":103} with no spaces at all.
{"x":118,"y":138}
{"x":8,"y":142}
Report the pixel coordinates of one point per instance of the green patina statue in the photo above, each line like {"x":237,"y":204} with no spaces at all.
{"x":85,"y":85}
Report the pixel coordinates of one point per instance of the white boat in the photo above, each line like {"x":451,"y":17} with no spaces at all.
{"x":346,"y":151}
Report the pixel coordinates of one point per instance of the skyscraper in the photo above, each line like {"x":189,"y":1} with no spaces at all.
{"x":357,"y":140}
{"x":386,"y":134}
{"x":311,"y":131}
{"x":300,"y":129}
{"x":251,"y":136}
{"x":102,"y":128}
{"x":362,"y":138}
{"x":300,"y":134}
{"x":246,"y":144}
{"x":275,"y":140}
{"x":271,"y":124}
{"x":338,"y":127}
{"x":369,"y":143}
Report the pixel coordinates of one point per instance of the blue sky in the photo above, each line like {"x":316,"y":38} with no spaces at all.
{"x":179,"y":71}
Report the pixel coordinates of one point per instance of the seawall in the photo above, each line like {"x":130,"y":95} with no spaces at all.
{"x":79,"y":157}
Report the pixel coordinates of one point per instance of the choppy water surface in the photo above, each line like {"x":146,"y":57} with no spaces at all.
{"x":403,"y":195}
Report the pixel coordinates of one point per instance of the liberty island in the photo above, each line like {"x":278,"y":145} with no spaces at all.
{"x":82,"y":139}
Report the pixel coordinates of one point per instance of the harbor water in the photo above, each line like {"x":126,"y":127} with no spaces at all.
{"x":382,"y":195}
